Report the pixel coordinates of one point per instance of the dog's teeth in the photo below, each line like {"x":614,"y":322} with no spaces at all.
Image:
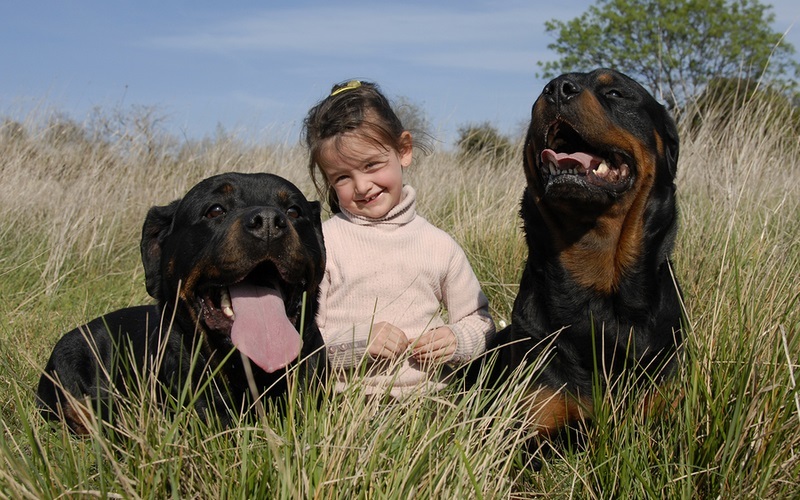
{"x":225,"y":303}
{"x":227,"y":311}
{"x":602,"y":169}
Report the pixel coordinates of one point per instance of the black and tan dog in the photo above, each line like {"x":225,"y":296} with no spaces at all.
{"x":597,"y":298}
{"x":229,"y":265}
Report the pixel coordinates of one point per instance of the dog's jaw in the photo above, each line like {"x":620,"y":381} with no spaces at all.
{"x":212,"y":313}
{"x":255,"y":308}
{"x":569,"y":164}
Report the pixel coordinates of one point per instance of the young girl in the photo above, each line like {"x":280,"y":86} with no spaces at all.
{"x":389,"y":272}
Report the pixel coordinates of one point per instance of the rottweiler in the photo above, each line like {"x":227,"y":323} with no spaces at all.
{"x":234,"y":267}
{"x":597,"y":298}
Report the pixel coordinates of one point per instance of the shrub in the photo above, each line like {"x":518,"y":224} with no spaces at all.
{"x":725,"y":100}
{"x":483,"y":140}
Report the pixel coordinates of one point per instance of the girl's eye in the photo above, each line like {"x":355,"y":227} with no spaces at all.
{"x":293,"y":212}
{"x":215,"y":211}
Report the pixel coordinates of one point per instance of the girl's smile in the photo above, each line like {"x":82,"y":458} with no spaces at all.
{"x":371,"y":198}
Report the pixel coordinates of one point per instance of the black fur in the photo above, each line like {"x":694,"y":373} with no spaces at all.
{"x":597,"y":291}
{"x":229,"y":228}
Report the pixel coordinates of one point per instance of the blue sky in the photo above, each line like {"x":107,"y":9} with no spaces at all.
{"x":256,"y":67}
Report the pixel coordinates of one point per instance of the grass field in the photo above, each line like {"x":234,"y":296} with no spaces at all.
{"x":73,"y":197}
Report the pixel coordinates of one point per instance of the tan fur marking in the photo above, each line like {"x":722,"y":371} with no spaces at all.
{"x":77,"y":417}
{"x":659,"y":144}
{"x":171,"y":266}
{"x":549,"y":411}
{"x":600,"y":258}
{"x":231,"y":251}
{"x":655,"y":401}
{"x":605,"y":78}
{"x":188,"y":285}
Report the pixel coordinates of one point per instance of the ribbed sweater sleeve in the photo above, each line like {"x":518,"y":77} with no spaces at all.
{"x":467,"y":309}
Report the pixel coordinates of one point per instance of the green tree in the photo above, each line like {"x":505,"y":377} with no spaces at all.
{"x":674,"y":47}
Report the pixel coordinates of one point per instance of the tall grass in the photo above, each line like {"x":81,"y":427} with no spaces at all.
{"x":74,"y":195}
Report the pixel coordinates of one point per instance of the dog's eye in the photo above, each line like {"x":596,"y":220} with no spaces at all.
{"x":293,"y":212}
{"x":215,"y":211}
{"x":613,"y":93}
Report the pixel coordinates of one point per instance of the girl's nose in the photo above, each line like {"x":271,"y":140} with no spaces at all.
{"x":362,"y":186}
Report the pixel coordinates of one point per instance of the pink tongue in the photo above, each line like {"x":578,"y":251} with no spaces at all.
{"x":564,"y":160}
{"x":261,"y":330}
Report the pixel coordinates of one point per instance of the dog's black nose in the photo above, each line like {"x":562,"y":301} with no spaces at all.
{"x":562,"y":89}
{"x":265,"y":223}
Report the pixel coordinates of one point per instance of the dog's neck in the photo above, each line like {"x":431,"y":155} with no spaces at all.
{"x":597,"y":249}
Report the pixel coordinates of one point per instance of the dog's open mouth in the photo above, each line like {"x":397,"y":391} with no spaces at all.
{"x":569,"y":158}
{"x":259,"y":312}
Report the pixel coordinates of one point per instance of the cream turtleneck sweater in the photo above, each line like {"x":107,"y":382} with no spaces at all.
{"x":403,"y":270}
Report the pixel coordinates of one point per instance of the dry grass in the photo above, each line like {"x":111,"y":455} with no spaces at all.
{"x":74,"y":196}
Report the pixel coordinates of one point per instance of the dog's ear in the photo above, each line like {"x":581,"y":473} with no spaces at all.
{"x":671,"y":141}
{"x":316,"y":219}
{"x":156,"y":226}
{"x":316,"y":214}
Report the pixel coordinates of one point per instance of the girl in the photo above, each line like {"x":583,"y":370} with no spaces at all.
{"x":389,"y":272}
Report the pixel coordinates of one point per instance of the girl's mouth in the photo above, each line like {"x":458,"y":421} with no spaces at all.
{"x":369,"y":199}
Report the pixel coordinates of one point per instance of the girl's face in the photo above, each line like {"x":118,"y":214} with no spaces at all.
{"x":367,"y":176}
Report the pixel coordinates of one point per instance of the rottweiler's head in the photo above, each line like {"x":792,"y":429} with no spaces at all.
{"x":597,"y":139}
{"x":600,"y":160}
{"x":236,"y":255}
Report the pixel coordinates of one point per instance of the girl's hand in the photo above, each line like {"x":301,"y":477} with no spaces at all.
{"x":388,"y":341}
{"x":435,"y":345}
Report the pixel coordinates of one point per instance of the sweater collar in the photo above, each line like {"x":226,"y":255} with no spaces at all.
{"x":403,"y":213}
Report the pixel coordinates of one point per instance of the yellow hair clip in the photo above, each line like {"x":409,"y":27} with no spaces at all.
{"x":352,"y":84}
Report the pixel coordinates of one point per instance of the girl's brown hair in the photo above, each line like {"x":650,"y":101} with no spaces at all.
{"x":351,"y":105}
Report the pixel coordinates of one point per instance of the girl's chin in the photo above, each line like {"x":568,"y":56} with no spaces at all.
{"x":371,"y":214}
{"x":372,"y":211}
